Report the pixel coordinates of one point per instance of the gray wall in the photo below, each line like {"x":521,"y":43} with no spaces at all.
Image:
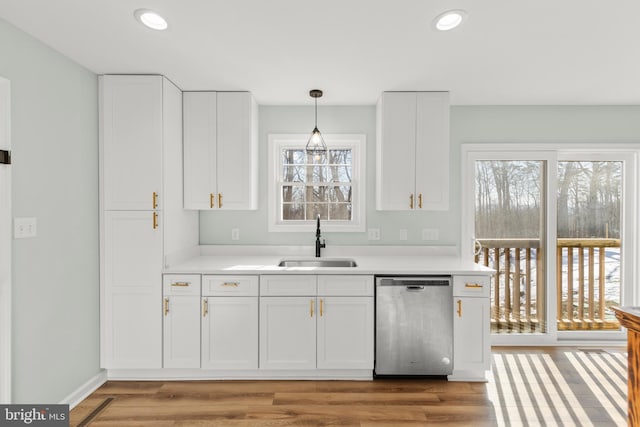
{"x":215,"y":227}
{"x":517,"y":124}
{"x":55,"y":179}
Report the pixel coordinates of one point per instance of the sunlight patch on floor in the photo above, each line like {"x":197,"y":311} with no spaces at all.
{"x":529,"y":389}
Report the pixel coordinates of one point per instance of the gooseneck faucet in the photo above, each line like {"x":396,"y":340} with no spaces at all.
{"x":318,"y":244}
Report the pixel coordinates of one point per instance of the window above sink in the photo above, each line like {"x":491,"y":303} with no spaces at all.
{"x":302,"y":185}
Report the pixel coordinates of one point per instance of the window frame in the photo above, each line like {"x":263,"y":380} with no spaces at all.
{"x":356,"y":143}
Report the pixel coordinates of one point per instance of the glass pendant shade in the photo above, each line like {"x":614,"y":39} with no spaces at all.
{"x":316,"y":144}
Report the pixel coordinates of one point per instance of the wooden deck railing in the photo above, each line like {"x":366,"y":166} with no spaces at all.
{"x":518,"y":294}
{"x":581,"y":300}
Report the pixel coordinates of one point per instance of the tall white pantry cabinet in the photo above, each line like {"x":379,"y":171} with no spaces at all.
{"x":141,"y":215}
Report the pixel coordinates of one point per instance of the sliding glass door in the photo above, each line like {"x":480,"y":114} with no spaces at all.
{"x":559,"y":229}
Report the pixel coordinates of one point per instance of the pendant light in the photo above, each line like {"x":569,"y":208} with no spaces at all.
{"x":316,"y":143}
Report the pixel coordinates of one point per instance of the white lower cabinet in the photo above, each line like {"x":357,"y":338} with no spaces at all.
{"x":230,"y":333}
{"x":181,"y":326}
{"x":471,"y":328}
{"x":181,"y":332}
{"x":287,"y":333}
{"x":316,"y":330}
{"x":345,"y":333}
{"x":229,"y":322}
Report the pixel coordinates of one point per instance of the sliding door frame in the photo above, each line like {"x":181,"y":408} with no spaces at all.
{"x":550,"y":154}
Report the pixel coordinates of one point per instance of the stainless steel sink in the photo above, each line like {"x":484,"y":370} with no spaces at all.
{"x":343,"y":262}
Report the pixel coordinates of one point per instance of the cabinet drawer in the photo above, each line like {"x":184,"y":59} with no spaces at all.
{"x":471,"y":286}
{"x":335,"y":285}
{"x":181,"y":284}
{"x":229,"y":285}
{"x":288,"y":285}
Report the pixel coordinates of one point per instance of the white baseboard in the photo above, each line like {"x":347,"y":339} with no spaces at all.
{"x":85,"y":390}
{"x":252,"y":374}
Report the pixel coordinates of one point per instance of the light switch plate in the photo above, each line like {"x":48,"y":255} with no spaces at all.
{"x":403,"y":234}
{"x":235,"y":234}
{"x":24,"y":228}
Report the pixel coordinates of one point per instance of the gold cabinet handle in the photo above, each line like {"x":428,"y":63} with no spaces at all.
{"x":473,"y":285}
{"x":155,"y":220}
{"x":219,"y":200}
{"x":321,"y":304}
{"x":311,"y":302}
{"x":205,"y":307}
{"x":420,"y":200}
{"x":411,"y":201}
{"x":166,"y":306}
{"x":155,"y":200}
{"x":212,"y":200}
{"x":459,"y":308}
{"x":231,"y":284}
{"x":181,"y":284}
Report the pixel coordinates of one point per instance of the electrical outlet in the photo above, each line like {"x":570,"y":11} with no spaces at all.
{"x":430,"y":234}
{"x":373,"y":234}
{"x":403,"y":234}
{"x":24,"y":228}
{"x":235,"y":234}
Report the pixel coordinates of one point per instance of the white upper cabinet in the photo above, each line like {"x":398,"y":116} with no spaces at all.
{"x":412,"y":151}
{"x":131,"y":123}
{"x":220,"y":150}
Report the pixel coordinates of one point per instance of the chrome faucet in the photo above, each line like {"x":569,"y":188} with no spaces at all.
{"x":318,"y":244}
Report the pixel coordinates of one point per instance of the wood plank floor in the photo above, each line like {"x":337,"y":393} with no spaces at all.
{"x":528,"y":386}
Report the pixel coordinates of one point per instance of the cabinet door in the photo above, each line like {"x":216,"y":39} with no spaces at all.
{"x":200,"y":152}
{"x":471,"y":346}
{"x":237,"y":151}
{"x":345,"y":333}
{"x":181,"y":331}
{"x":432,"y":151}
{"x":230,"y":333}
{"x":288,"y":332}
{"x":131,"y":145}
{"x":396,"y":151}
{"x":132,"y":290}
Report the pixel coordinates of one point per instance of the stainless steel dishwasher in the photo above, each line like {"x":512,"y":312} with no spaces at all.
{"x":414,"y":325}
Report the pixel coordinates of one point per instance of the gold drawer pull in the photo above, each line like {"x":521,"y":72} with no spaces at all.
{"x":166,"y":306}
{"x":231,"y":284}
{"x":205,"y":307}
{"x":183,"y":284}
{"x":473,"y":285}
{"x":420,"y":200}
{"x":219,"y":200}
{"x":155,"y":200}
{"x":311,"y":302}
{"x":321,"y":306}
{"x":411,"y":201}
{"x":212,"y":200}
{"x":155,"y":220}
{"x":459,"y":308}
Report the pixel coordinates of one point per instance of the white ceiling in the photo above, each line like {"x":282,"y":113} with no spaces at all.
{"x":508,"y":52}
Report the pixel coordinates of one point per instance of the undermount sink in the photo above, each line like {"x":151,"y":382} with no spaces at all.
{"x":345,"y":262}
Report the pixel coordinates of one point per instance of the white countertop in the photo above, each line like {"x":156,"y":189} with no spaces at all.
{"x":387,"y":260}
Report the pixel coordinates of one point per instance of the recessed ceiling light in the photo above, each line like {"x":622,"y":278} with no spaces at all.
{"x":151,"y":19}
{"x":449,"y":20}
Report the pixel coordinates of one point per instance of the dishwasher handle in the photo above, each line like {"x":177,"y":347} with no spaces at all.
{"x":414,"y":288}
{"x":414,"y":281}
